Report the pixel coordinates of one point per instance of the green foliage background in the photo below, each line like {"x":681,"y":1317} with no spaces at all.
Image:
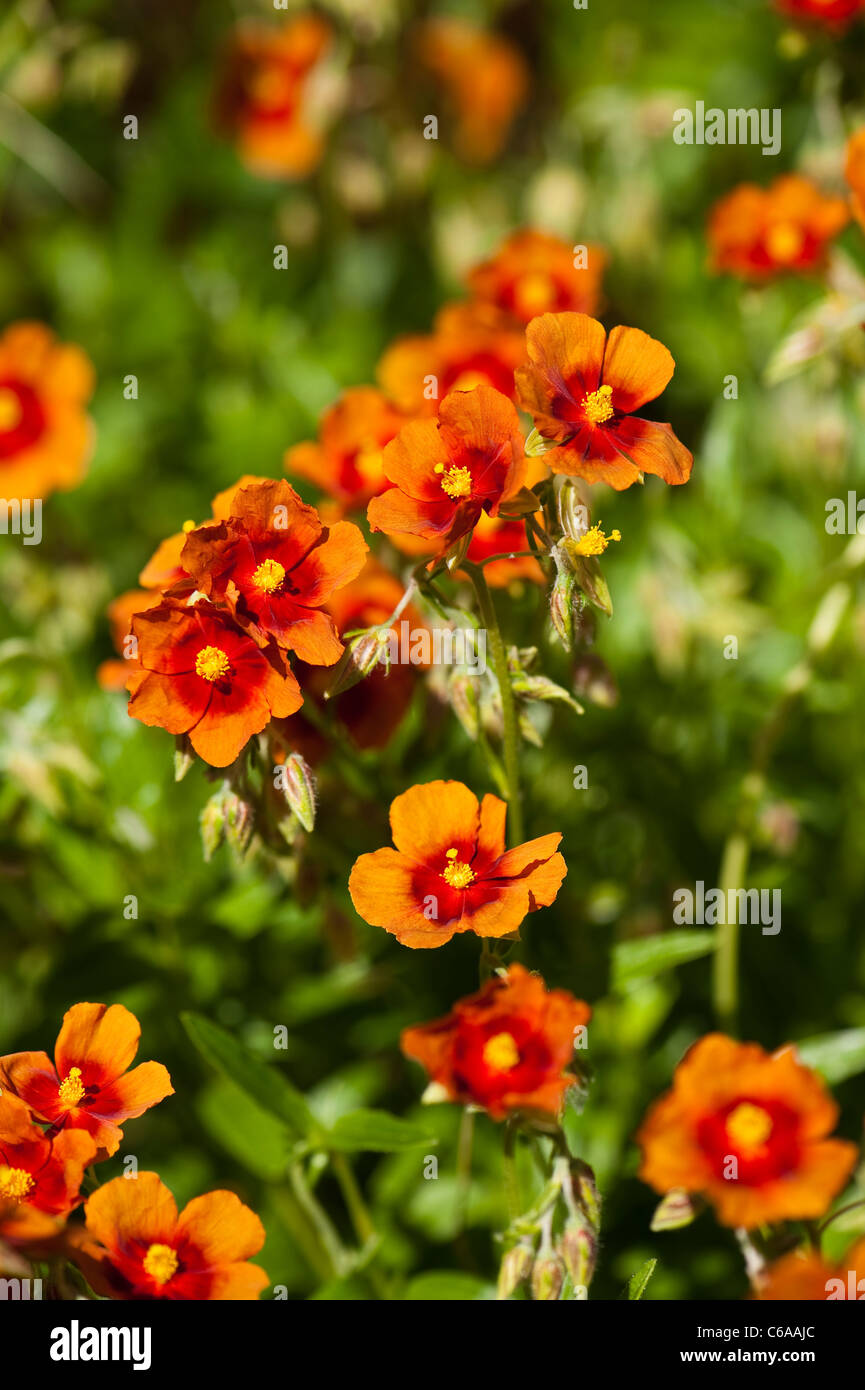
{"x":160,"y":263}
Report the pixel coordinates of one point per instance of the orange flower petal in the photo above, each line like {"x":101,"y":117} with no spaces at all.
{"x":221,"y":1228}
{"x":127,"y":1210}
{"x":100,"y":1039}
{"x":637,"y":367}
{"x":428,"y":819}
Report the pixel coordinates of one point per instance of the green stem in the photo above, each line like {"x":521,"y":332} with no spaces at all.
{"x":316,"y":1215}
{"x":364,"y":1226}
{"x":734,"y":867}
{"x":512,"y":1186}
{"x":511,"y":731}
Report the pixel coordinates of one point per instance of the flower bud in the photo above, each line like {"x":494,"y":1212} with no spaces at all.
{"x":298,"y":785}
{"x":239,"y":821}
{"x":183,"y":757}
{"x":565,"y":597}
{"x":586,"y":1191}
{"x":516,"y":1267}
{"x":677,"y":1209}
{"x":212,"y":823}
{"x":548,"y":1277}
{"x":578,"y":1248}
{"x":574,"y":516}
{"x":363,"y":653}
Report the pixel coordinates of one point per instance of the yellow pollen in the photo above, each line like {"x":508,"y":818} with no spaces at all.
{"x":15,"y":1183}
{"x":456,"y":482}
{"x":188,"y":526}
{"x":500,"y":1053}
{"x":469,"y":379}
{"x":749,"y":1126}
{"x":598,"y":405}
{"x":160,"y":1263}
{"x":269,"y":576}
{"x":535,"y":293}
{"x":784,"y":242}
{"x":212,"y":664}
{"x":457,"y":874}
{"x":595,"y":542}
{"x":10,"y":410}
{"x":71,"y":1091}
{"x":368,"y":462}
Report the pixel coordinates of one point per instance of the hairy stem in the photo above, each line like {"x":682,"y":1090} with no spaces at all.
{"x":511,"y":731}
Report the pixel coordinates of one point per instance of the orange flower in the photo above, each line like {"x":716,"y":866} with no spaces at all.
{"x":486,"y":80}
{"x":534,"y":273}
{"x":471,"y":345}
{"x":836,"y":13}
{"x":805,"y":1276}
{"x":37,"y":1172}
{"x":450,"y":871}
{"x":504,"y":1048}
{"x":854,"y":173}
{"x":763,"y":232}
{"x":276,"y":566}
{"x":346,"y":463}
{"x":199,"y":674}
{"x":45,"y":433}
{"x":582,"y":388}
{"x":747,"y":1130}
{"x":447,"y":471}
{"x":137,"y":1247}
{"x":266,"y":101}
{"x":89,"y":1086}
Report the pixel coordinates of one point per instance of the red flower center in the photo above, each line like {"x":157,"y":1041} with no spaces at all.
{"x":761,"y":1135}
{"x":22,"y":419}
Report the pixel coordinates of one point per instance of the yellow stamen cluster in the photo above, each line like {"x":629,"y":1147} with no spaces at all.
{"x":749,"y":1126}
{"x":457,"y":874}
{"x":71,"y":1090}
{"x":187,"y":527}
{"x":15,"y":1183}
{"x":456,"y":482}
{"x":10,"y":410}
{"x":368,"y":462}
{"x":160,"y":1263}
{"x":598,"y":405}
{"x":784,"y":242}
{"x":212,"y":664}
{"x":595,"y":541}
{"x":269,"y":576}
{"x":536,"y":292}
{"x":501,"y":1052}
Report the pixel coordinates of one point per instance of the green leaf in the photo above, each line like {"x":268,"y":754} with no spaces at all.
{"x":262,"y":1083}
{"x":448,"y":1284}
{"x":651,"y":955}
{"x":637,"y":1283}
{"x":837,"y":1056}
{"x":376,"y":1132}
